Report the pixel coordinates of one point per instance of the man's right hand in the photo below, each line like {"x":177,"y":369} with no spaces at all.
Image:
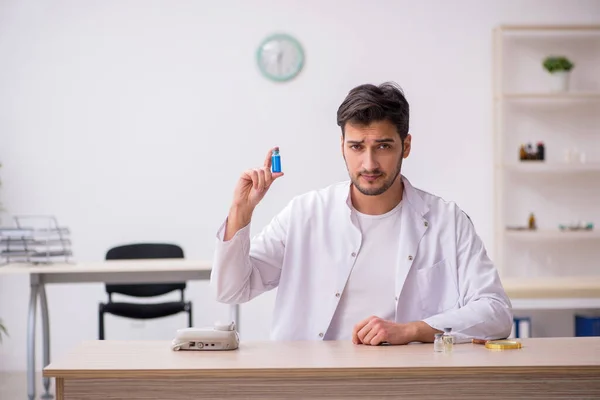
{"x":249,"y":191}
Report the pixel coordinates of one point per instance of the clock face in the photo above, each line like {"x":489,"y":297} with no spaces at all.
{"x":280,"y":57}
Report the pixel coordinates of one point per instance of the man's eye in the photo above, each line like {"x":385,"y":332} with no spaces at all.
{"x":355,"y":147}
{"x":384,"y":146}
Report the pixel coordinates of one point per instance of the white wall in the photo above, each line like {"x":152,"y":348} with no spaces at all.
{"x":131,"y":121}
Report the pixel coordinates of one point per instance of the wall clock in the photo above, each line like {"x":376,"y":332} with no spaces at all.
{"x":280,"y":57}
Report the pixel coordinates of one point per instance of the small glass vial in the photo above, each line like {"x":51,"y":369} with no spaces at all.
{"x":275,"y":161}
{"x":438,"y":343}
{"x":531,"y":223}
{"x":448,"y":340}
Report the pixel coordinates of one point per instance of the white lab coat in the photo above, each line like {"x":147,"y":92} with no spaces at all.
{"x":444,"y":276}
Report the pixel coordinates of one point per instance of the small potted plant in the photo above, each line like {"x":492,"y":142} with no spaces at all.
{"x":559,"y":68}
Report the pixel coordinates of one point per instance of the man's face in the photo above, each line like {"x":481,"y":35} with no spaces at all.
{"x":373,"y":155}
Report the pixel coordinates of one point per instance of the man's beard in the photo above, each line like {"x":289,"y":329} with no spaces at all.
{"x":376,"y":191}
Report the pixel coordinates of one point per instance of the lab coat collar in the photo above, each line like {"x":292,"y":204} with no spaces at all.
{"x":411,"y":197}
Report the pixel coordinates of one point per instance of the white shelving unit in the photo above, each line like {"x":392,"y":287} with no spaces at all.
{"x":549,"y":235}
{"x":545,"y":167}
{"x":564,"y":188}
{"x":552,"y":96}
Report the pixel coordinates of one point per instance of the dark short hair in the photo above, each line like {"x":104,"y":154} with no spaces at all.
{"x":369,"y":103}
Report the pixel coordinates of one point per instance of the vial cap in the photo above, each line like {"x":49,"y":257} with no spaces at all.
{"x":437,"y":335}
{"x":448,"y":330}
{"x":276,"y":152}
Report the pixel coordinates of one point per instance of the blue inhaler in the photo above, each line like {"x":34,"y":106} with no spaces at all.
{"x":275,"y":161}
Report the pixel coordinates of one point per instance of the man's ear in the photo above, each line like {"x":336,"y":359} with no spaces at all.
{"x":407,"y":146}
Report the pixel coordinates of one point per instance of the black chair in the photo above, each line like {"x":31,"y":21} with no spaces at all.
{"x":143,"y":310}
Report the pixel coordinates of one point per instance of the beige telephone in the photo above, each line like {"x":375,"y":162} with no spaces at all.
{"x":219,"y":337}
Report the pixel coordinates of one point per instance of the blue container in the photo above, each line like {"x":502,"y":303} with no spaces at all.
{"x":522,"y":327}
{"x":276,"y":161}
{"x":586,"y":325}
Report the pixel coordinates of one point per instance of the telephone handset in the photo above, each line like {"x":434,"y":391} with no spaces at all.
{"x":219,"y":337}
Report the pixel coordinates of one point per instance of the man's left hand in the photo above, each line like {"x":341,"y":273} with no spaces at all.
{"x":375,"y":331}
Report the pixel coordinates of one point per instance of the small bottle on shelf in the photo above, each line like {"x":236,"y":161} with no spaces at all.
{"x":541,"y":150}
{"x":532,"y":224}
{"x":448,"y":340}
{"x":530,"y":152}
{"x":522,"y":153}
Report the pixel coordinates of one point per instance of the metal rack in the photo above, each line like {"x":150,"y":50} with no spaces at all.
{"x":36,"y":240}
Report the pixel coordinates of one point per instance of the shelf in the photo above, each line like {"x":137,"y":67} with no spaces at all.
{"x":548,"y":31}
{"x":553,"y":303}
{"x":544,"y":167}
{"x":552,"y":96}
{"x":552,"y":287}
{"x":542,"y":235}
{"x":552,"y":28}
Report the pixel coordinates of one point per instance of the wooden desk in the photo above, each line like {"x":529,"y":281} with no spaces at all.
{"x":563,"y":368}
{"x":114,"y":271}
{"x":526,"y":293}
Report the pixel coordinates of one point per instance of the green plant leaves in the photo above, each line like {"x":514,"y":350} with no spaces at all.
{"x":557,"y":63}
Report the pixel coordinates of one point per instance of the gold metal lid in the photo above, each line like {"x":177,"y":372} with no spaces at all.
{"x":503,"y":344}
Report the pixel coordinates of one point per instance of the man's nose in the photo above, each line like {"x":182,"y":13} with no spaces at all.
{"x":370,"y":161}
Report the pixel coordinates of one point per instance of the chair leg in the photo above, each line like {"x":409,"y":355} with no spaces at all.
{"x":189,"y":310}
{"x":101,"y":322}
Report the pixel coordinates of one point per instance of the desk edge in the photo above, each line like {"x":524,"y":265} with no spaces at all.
{"x":319,"y":372}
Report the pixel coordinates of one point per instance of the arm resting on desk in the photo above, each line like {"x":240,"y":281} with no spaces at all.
{"x":485,"y":309}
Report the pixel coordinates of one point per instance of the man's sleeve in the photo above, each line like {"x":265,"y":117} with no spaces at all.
{"x":486,"y":309}
{"x":244,"y":268}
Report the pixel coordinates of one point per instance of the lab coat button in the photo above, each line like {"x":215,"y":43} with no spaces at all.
{"x":396,"y":298}
{"x":410,"y":258}
{"x":353,"y":254}
{"x":426,"y":223}
{"x":337,"y":295}
{"x":321,"y":334}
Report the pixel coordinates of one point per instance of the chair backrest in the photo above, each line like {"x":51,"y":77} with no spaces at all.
{"x":140,"y":251}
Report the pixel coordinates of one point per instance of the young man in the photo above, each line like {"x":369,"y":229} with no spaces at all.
{"x":373,"y":260}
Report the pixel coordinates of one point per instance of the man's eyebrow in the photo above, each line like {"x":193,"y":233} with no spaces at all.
{"x":386,"y":140}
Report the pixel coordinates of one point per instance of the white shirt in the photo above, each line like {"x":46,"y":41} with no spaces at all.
{"x":370,"y":288}
{"x":443,"y":276}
